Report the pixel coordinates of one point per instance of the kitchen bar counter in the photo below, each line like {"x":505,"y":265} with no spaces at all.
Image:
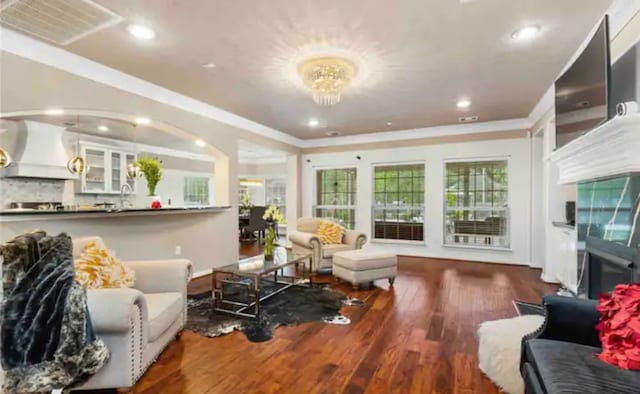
{"x":27,"y":215}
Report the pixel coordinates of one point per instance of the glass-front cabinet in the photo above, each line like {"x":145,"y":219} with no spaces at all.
{"x":94,"y":178}
{"x":106,"y":170}
{"x":116,"y":171}
{"x":129,"y":159}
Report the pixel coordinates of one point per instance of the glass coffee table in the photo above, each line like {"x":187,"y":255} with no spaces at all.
{"x":249,"y":275}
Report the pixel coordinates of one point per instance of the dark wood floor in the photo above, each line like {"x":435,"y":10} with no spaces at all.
{"x":418,"y":337}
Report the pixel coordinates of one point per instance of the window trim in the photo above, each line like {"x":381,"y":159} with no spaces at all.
{"x":373,"y":204}
{"x":507,"y":159}
{"x":209,"y":183}
{"x":315,"y":205}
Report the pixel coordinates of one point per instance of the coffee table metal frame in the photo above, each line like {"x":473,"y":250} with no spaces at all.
{"x":254,"y":288}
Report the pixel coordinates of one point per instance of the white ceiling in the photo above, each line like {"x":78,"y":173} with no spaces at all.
{"x":416,"y":57}
{"x":250,"y":153}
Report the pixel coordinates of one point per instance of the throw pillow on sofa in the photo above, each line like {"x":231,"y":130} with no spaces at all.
{"x":619,"y":327}
{"x":330,"y":233}
{"x":97,"y":268}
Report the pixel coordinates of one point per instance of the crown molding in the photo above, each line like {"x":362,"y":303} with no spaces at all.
{"x":620,"y":13}
{"x":426,"y":132}
{"x":41,"y":52}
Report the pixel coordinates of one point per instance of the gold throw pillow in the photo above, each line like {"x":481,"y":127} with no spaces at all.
{"x":330,"y":233}
{"x":96,"y":268}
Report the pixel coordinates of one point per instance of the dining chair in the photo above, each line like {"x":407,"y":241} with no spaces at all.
{"x":256,"y":223}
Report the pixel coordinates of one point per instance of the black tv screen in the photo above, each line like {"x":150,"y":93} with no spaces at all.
{"x":582,"y":92}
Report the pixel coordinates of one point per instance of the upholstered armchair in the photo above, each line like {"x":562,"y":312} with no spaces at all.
{"x":305,"y":240}
{"x":137,"y":323}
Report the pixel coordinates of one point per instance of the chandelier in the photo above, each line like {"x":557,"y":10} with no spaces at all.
{"x":326,"y":77}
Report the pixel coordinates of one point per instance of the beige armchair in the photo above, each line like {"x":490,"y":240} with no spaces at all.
{"x":305,"y":240}
{"x":137,"y":323}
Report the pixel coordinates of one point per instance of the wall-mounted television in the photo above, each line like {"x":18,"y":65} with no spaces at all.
{"x":582,"y":92}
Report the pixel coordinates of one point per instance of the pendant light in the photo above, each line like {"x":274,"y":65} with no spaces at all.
{"x":77,"y":164}
{"x":5,"y":158}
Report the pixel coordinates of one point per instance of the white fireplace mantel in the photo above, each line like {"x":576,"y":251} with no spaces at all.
{"x":612,"y":149}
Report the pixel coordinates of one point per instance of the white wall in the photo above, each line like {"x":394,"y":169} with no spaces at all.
{"x":261,"y":172}
{"x":171,"y":187}
{"x":201,"y":236}
{"x":517,"y":150}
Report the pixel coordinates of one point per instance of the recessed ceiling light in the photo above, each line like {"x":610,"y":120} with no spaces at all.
{"x":313,"y":123}
{"x":103,"y":128}
{"x":389,"y":123}
{"x":208,"y":66}
{"x":526,"y":33}
{"x":54,"y":111}
{"x":142,"y":121}
{"x":463,"y":103}
{"x":141,"y":32}
{"x":201,"y":143}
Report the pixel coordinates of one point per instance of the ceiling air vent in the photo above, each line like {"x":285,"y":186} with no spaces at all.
{"x":58,"y":21}
{"x":467,"y":119}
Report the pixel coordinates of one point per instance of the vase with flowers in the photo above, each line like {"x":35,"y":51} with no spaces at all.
{"x":274,"y":217}
{"x":245,"y":204}
{"x":152,"y":172}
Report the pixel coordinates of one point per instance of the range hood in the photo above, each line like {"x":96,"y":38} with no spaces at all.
{"x":39,"y":152}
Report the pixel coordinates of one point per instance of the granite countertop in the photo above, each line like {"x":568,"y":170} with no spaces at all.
{"x":22,"y":215}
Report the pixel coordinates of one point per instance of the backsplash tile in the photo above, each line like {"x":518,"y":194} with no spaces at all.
{"x":47,"y":190}
{"x":31,"y":190}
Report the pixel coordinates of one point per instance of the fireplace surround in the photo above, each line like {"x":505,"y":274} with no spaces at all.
{"x":609,"y":263}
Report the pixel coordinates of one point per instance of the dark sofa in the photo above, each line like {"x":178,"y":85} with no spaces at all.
{"x":560,"y":356}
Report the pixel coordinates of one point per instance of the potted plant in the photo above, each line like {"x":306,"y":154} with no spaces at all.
{"x":245,"y":204}
{"x":152,"y":172}
{"x":273,"y":216}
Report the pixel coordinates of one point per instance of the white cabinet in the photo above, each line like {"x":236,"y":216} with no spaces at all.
{"x":106,"y":169}
{"x":562,"y":249}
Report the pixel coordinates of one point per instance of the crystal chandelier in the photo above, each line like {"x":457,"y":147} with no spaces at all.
{"x":327,"y":77}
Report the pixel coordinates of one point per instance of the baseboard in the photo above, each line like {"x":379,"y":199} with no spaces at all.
{"x":202,"y":273}
{"x":547,"y":279}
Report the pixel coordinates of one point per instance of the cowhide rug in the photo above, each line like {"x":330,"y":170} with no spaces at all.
{"x":293,"y":306}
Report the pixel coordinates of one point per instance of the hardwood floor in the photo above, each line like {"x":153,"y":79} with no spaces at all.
{"x":418,"y":337}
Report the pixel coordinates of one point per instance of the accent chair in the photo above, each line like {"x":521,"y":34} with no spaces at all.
{"x":306,"y":240}
{"x":136,"y":323}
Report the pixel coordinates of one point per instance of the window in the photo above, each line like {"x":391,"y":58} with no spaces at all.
{"x":398,"y":209}
{"x":476,"y":203}
{"x":276,"y":193}
{"x":336,"y":195}
{"x":196,"y":190}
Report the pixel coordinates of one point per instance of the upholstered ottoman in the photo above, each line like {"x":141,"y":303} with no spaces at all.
{"x":363,"y":266}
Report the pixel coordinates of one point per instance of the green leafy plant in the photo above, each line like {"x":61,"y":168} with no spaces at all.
{"x":270,"y":243}
{"x":273,"y":215}
{"x":245,"y":203}
{"x":152,"y":171}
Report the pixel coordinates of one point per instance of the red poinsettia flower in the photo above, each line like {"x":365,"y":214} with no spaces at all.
{"x":619,"y":327}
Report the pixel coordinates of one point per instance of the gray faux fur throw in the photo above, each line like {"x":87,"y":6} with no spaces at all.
{"x":47,"y":336}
